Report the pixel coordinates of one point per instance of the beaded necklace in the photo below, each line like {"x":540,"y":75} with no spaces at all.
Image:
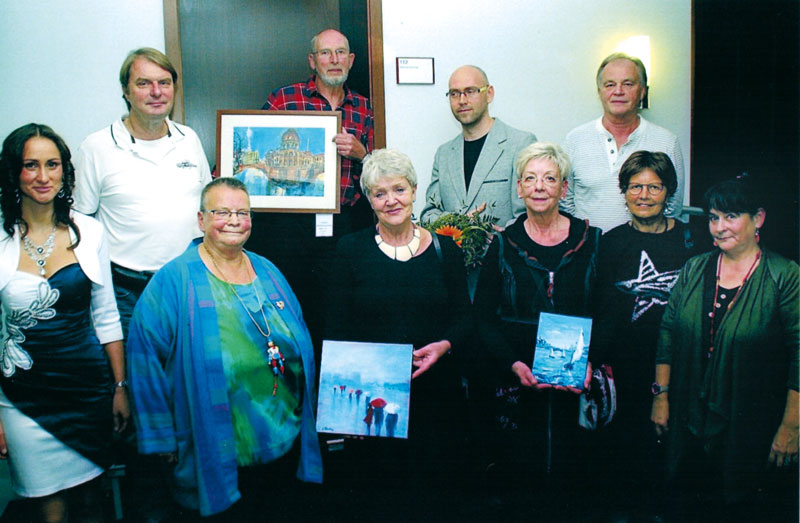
{"x":715,"y":304}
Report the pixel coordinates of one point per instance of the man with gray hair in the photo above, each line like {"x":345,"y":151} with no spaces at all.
{"x":306,"y":250}
{"x":330,"y":60}
{"x":598,"y":148}
{"x":475,"y":169}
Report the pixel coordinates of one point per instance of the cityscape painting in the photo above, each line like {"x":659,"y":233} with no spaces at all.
{"x":562,"y":350}
{"x":364,"y":389}
{"x":287,"y":159}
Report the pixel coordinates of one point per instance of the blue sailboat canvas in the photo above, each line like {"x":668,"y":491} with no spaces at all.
{"x":561,"y":353}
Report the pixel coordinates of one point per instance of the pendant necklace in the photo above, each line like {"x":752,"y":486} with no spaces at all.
{"x":276,"y":360}
{"x":656,"y":231}
{"x":40,"y":253}
{"x":715,"y":305}
{"x":401,"y":252}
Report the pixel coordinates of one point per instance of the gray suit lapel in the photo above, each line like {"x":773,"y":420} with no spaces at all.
{"x":490,"y":154}
{"x":455,"y":168}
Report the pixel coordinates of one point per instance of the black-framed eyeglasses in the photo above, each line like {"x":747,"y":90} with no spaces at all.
{"x":652,"y":188}
{"x":470,"y":92}
{"x":224,"y":214}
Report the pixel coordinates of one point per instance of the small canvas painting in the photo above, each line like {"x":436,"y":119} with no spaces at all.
{"x":364,"y":389}
{"x":562,"y":349}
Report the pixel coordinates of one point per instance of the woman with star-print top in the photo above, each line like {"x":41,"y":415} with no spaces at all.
{"x":638,"y":264}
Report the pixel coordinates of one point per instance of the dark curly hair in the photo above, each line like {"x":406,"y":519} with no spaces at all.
{"x":11,"y":167}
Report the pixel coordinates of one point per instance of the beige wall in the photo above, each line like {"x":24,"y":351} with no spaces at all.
{"x":540,"y":55}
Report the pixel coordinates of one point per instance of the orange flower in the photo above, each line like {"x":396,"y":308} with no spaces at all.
{"x":449,"y":230}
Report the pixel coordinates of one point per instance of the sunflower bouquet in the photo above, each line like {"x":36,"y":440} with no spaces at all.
{"x":470,"y":232}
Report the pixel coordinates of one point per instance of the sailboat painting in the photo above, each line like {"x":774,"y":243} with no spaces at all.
{"x":562,"y":349}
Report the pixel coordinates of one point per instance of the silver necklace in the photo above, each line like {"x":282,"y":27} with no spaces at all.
{"x":401,"y":252}
{"x":255,"y":290}
{"x":40,"y":253}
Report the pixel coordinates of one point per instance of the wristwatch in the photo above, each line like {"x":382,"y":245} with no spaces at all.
{"x":656,"y":388}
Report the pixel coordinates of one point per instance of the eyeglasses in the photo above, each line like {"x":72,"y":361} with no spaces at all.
{"x":652,"y":188}
{"x":224,"y":214}
{"x":470,"y":92}
{"x":327,"y":53}
{"x":548,"y":180}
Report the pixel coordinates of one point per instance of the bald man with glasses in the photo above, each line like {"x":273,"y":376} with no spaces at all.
{"x":475,"y":170}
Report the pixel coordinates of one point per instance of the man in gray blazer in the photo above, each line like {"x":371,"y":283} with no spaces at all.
{"x":476,"y":169}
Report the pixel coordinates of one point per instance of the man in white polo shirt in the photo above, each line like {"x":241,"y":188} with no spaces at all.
{"x":598,"y":149}
{"x":142,"y":177}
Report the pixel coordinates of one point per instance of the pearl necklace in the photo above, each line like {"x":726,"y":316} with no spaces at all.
{"x":40,"y":253}
{"x":401,"y":252}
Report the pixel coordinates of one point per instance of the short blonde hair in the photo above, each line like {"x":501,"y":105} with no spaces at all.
{"x":548,"y":150}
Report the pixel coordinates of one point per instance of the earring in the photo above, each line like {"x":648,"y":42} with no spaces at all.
{"x":758,"y":235}
{"x":61,"y":192}
{"x":18,"y":196}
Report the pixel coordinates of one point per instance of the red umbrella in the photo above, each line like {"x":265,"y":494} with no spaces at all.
{"x":378,"y":403}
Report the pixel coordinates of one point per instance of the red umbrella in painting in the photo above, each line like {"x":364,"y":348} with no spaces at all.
{"x":377,"y":404}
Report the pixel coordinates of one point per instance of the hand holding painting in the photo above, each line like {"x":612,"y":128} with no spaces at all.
{"x":526,"y":379}
{"x":348,"y":146}
{"x":425,"y":357}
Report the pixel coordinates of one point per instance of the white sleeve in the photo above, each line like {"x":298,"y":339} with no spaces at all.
{"x":105,"y":315}
{"x":675,"y":203}
{"x":87,"y":182}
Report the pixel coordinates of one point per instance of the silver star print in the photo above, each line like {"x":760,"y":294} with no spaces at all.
{"x":650,"y":287}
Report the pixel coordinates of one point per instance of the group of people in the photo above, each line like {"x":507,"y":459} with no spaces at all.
{"x":151,"y":313}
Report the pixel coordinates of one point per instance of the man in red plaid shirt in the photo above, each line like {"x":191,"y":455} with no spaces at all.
{"x":331,"y":60}
{"x":290,"y":240}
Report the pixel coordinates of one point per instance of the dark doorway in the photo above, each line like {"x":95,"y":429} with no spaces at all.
{"x":745,"y":112}
{"x":232,"y":54}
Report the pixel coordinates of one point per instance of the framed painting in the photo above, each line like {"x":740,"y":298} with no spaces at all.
{"x":364,"y":389}
{"x":287,"y":159}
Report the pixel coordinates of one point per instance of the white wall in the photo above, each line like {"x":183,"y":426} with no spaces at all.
{"x":60,"y":61}
{"x":540,"y":55}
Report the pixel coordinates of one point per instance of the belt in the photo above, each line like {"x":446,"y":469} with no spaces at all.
{"x":130,"y":279}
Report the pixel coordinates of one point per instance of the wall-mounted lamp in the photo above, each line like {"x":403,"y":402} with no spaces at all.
{"x":639,"y":46}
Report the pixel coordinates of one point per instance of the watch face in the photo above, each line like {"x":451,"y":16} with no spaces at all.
{"x":655,"y":388}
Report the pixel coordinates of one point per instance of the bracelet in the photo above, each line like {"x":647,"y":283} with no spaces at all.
{"x":121,"y":385}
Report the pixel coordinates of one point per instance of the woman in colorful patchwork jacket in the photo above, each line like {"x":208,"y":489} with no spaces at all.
{"x":205,"y":396}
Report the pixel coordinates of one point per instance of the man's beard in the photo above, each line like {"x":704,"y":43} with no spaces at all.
{"x":334,"y":81}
